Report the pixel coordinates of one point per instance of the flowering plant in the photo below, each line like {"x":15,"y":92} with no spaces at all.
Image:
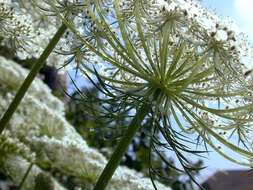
{"x":171,"y":61}
{"x":38,"y":136}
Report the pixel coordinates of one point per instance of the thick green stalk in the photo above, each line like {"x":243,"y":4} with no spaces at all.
{"x":34,"y":71}
{"x":122,"y":148}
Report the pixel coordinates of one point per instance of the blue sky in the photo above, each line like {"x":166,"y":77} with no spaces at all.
{"x":241,"y":11}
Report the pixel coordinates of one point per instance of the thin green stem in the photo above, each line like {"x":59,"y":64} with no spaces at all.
{"x":122,"y":148}
{"x":25,"y":176}
{"x":34,"y":71}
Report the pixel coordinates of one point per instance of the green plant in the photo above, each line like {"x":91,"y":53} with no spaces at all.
{"x":165,"y":61}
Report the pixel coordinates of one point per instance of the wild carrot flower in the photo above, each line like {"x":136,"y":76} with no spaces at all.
{"x":173,"y":56}
{"x":182,"y":59}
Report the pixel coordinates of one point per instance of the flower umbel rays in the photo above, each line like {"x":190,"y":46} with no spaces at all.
{"x":178,"y":58}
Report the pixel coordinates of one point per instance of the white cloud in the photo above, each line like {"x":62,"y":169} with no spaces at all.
{"x":244,"y":9}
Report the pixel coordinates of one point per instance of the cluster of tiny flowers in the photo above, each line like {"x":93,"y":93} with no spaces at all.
{"x":15,"y":147}
{"x":9,"y":69}
{"x":77,"y":160}
{"x":130,"y":179}
{"x":69,"y":156}
{"x":77,"y":15}
{"x":44,"y":105}
{"x":15,"y":27}
{"x":228,"y":45}
{"x":27,"y":31}
{"x":40,"y":134}
{"x":16,"y":166}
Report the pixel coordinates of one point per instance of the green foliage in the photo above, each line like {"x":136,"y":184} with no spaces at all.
{"x":43,"y":182}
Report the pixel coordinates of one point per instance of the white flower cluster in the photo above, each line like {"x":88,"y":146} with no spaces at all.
{"x":205,"y":28}
{"x":16,"y":166}
{"x":12,"y":144}
{"x":27,"y":31}
{"x":39,"y":132}
{"x":77,"y":159}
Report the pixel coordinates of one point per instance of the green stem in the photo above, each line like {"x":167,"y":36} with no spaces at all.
{"x":122,"y":148}
{"x":34,"y":71}
{"x":25,"y":176}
